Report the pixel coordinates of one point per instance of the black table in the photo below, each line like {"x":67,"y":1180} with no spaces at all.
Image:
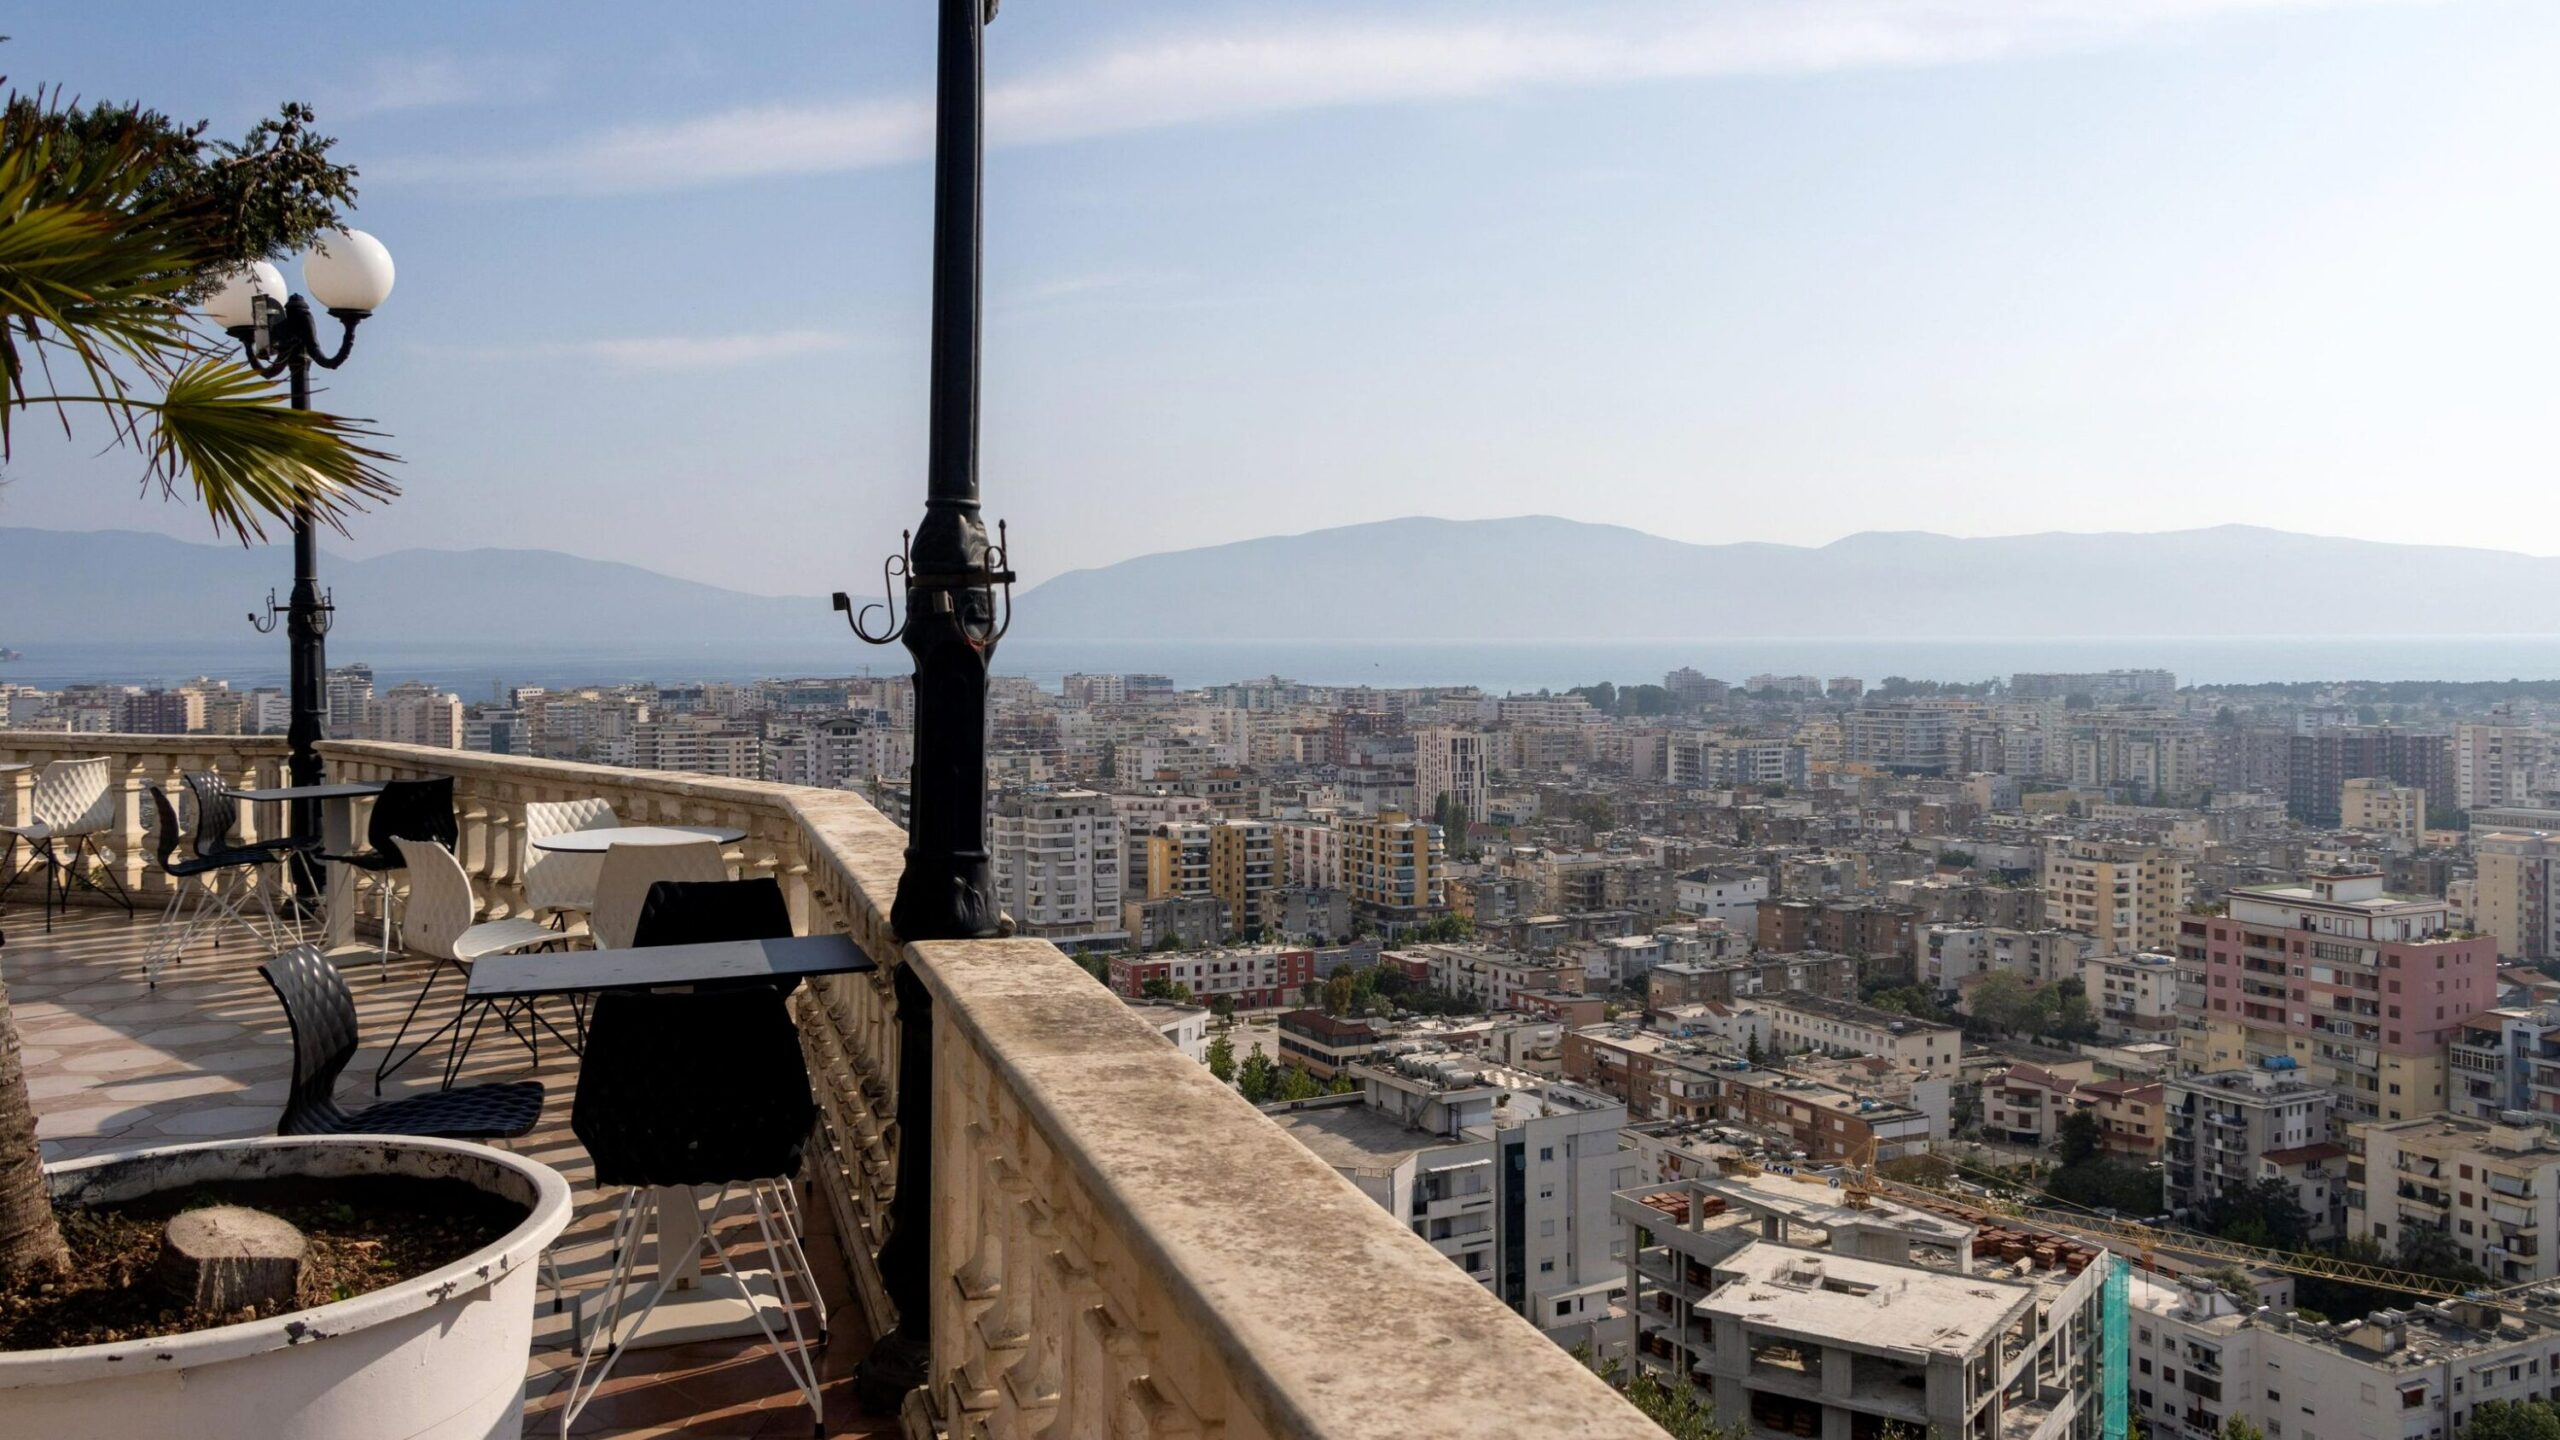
{"x":570,"y":972}
{"x":337,"y":837}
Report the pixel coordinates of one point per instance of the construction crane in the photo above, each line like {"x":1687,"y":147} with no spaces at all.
{"x":1860,"y":1187}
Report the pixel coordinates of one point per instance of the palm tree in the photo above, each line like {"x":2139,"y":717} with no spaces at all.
{"x":112,"y":220}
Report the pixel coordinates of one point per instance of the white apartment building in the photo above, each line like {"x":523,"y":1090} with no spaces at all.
{"x":2516,"y":895}
{"x":702,"y":744}
{"x":413,"y":714}
{"x":1728,"y":893}
{"x":1059,"y":867}
{"x":1507,"y":1173}
{"x":1311,"y":853}
{"x":2135,"y":996}
{"x":2226,"y":1130}
{"x":2416,"y":1373}
{"x":1452,"y":762}
{"x":2494,"y":1188}
{"x":1802,"y":1021}
{"x":2501,"y":763}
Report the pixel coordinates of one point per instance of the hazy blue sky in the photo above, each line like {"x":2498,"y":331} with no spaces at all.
{"x":1761,"y":269}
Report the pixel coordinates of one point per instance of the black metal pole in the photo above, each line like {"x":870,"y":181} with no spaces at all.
{"x":305,"y":636}
{"x":947,"y":890}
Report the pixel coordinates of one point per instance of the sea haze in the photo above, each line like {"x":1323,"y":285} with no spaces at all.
{"x":483,"y":672}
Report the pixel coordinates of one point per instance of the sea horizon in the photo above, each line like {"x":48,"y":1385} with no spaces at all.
{"x":484,"y":671}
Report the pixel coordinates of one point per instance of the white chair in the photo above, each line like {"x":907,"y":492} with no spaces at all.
{"x":629,"y":870}
{"x":439,"y":923}
{"x":74,"y":803}
{"x":562,"y":881}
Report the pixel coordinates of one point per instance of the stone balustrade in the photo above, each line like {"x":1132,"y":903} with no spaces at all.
{"x":1121,"y":1247}
{"x":246,"y":761}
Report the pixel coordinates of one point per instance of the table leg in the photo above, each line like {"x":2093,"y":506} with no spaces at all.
{"x":338,"y":910}
{"x":700,"y":1306}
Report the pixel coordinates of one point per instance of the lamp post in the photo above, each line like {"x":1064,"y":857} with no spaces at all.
{"x":349,"y":272}
{"x":949,"y":620}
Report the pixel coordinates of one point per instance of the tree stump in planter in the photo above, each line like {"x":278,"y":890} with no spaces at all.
{"x":227,"y":1258}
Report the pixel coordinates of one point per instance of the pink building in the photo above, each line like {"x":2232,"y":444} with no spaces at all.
{"x":2363,"y":989}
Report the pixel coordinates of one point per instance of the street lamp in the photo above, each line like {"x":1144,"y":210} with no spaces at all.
{"x":950,"y":573}
{"x":351,"y":274}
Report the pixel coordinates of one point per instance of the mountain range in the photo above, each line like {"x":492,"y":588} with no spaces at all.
{"x":1528,"y":578}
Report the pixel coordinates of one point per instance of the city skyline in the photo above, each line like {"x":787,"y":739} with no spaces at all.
{"x":1771,"y":273}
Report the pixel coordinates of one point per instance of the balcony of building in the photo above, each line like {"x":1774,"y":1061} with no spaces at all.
{"x":1119,"y":1244}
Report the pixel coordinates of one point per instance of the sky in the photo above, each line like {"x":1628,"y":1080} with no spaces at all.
{"x":1777,"y":270}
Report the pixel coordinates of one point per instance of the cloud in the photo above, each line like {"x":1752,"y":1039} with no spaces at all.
{"x":436,"y":80}
{"x":672,"y":353}
{"x":1207,"y":76}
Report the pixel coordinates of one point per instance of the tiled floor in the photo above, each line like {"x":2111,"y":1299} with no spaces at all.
{"x":114,"y":1065}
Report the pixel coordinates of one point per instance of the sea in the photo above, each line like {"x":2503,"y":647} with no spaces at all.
{"x":488,"y":671}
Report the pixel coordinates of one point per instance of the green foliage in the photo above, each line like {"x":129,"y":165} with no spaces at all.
{"x":2239,"y":1427}
{"x":1297,"y":1082}
{"x":2082,"y":1139}
{"x":1222,"y":1060}
{"x":2517,"y":1420}
{"x":2002,"y":1004}
{"x":1928,"y":1171}
{"x":2264,"y":1214}
{"x":1751,"y":1050}
{"x":1257,"y":1077}
{"x":1159,"y":988}
{"x":1677,"y":1409}
{"x":2106,"y":1184}
{"x":1443,"y":929}
{"x":112,"y":220}
{"x":1956,"y":859}
{"x":1094,"y":965}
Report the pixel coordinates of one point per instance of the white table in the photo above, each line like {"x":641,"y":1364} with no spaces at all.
{"x":596,"y":842}
{"x":337,"y":837}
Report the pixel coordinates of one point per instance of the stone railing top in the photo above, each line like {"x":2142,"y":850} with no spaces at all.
{"x":1333,"y":1319}
{"x":67,"y":742}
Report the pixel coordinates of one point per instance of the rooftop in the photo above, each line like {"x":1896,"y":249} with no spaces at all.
{"x":1892,"y":1309}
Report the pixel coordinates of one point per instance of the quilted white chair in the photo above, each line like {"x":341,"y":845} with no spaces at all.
{"x":441,"y":923}
{"x":629,"y":871}
{"x":556,"y":881}
{"x":74,"y":802}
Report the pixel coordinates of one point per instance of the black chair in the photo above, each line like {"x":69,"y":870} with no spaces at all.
{"x":323,"y":1015}
{"x":405,"y":810}
{"x":236,"y":869}
{"x":697,"y":912}
{"x":694,"y":1090}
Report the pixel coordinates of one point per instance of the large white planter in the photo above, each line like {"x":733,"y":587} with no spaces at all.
{"x":440,"y":1356}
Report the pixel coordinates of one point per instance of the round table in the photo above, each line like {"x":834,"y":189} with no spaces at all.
{"x":596,"y":842}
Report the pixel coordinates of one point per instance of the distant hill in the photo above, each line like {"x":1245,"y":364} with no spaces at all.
{"x":64,"y":587}
{"x":1533,"y":577}
{"x":1537,"y":577}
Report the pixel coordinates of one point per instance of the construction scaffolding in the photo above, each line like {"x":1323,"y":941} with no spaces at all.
{"x":2115,"y":1361}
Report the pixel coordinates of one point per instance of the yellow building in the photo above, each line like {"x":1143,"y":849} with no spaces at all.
{"x":2128,"y":895}
{"x":1392,"y":862}
{"x":1244,"y":865}
{"x":2396,"y":812}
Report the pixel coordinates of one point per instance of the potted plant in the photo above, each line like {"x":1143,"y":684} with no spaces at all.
{"x":114,"y":219}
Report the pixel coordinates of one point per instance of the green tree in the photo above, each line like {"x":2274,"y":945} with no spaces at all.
{"x":113,"y":221}
{"x":2082,"y":1138}
{"x":1223,"y":1006}
{"x":1222,"y":1060}
{"x":2265,"y":1214}
{"x":2002,"y":1003}
{"x":1159,"y":988}
{"x":2239,"y":1427}
{"x":1297,"y":1082}
{"x":2516,"y":1420}
{"x":1257,"y":1077}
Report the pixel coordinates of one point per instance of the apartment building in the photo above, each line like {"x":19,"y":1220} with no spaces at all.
{"x":702,"y":744}
{"x":1392,"y":864}
{"x":2321,"y":762}
{"x":2500,"y":763}
{"x":1491,"y":977}
{"x":2363,"y":989}
{"x":1058,"y":866}
{"x":2125,"y":894}
{"x":1729,"y":893}
{"x":2026,"y":1105}
{"x":1507,"y":1173}
{"x":2517,"y":892}
{"x":1324,"y":1044}
{"x":1253,"y":976}
{"x":1949,"y":955}
{"x":1722,"y":982}
{"x":2505,"y":1060}
{"x":1311,"y":853}
{"x":2495,"y":1188}
{"x":1244,"y":869}
{"x":2396,"y":812}
{"x":2416,"y":1373}
{"x":1450,"y":762}
{"x":1183,"y":922}
{"x":1799,"y":1021}
{"x":2135,"y":996}
{"x":1804,"y":1317}
{"x":1864,"y":929}
{"x":2230,"y":1129}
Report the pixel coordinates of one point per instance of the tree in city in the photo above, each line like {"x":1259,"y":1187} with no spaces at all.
{"x":2512,"y":1420}
{"x":1159,"y":988}
{"x":2240,"y":1427}
{"x":1311,"y":993}
{"x":1676,"y":1408}
{"x":2082,"y":1138}
{"x":1257,"y":1077}
{"x":1751,"y":1050}
{"x":113,"y":221}
{"x":1223,"y":1006}
{"x":1222,"y":1059}
{"x":1297,"y":1082}
{"x":2264,"y":1214}
{"x":2002,"y":1004}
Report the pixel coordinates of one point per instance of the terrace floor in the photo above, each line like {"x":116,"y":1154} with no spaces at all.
{"x":114,"y":1065}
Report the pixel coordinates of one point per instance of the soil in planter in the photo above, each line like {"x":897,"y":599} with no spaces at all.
{"x":364,"y":1233}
